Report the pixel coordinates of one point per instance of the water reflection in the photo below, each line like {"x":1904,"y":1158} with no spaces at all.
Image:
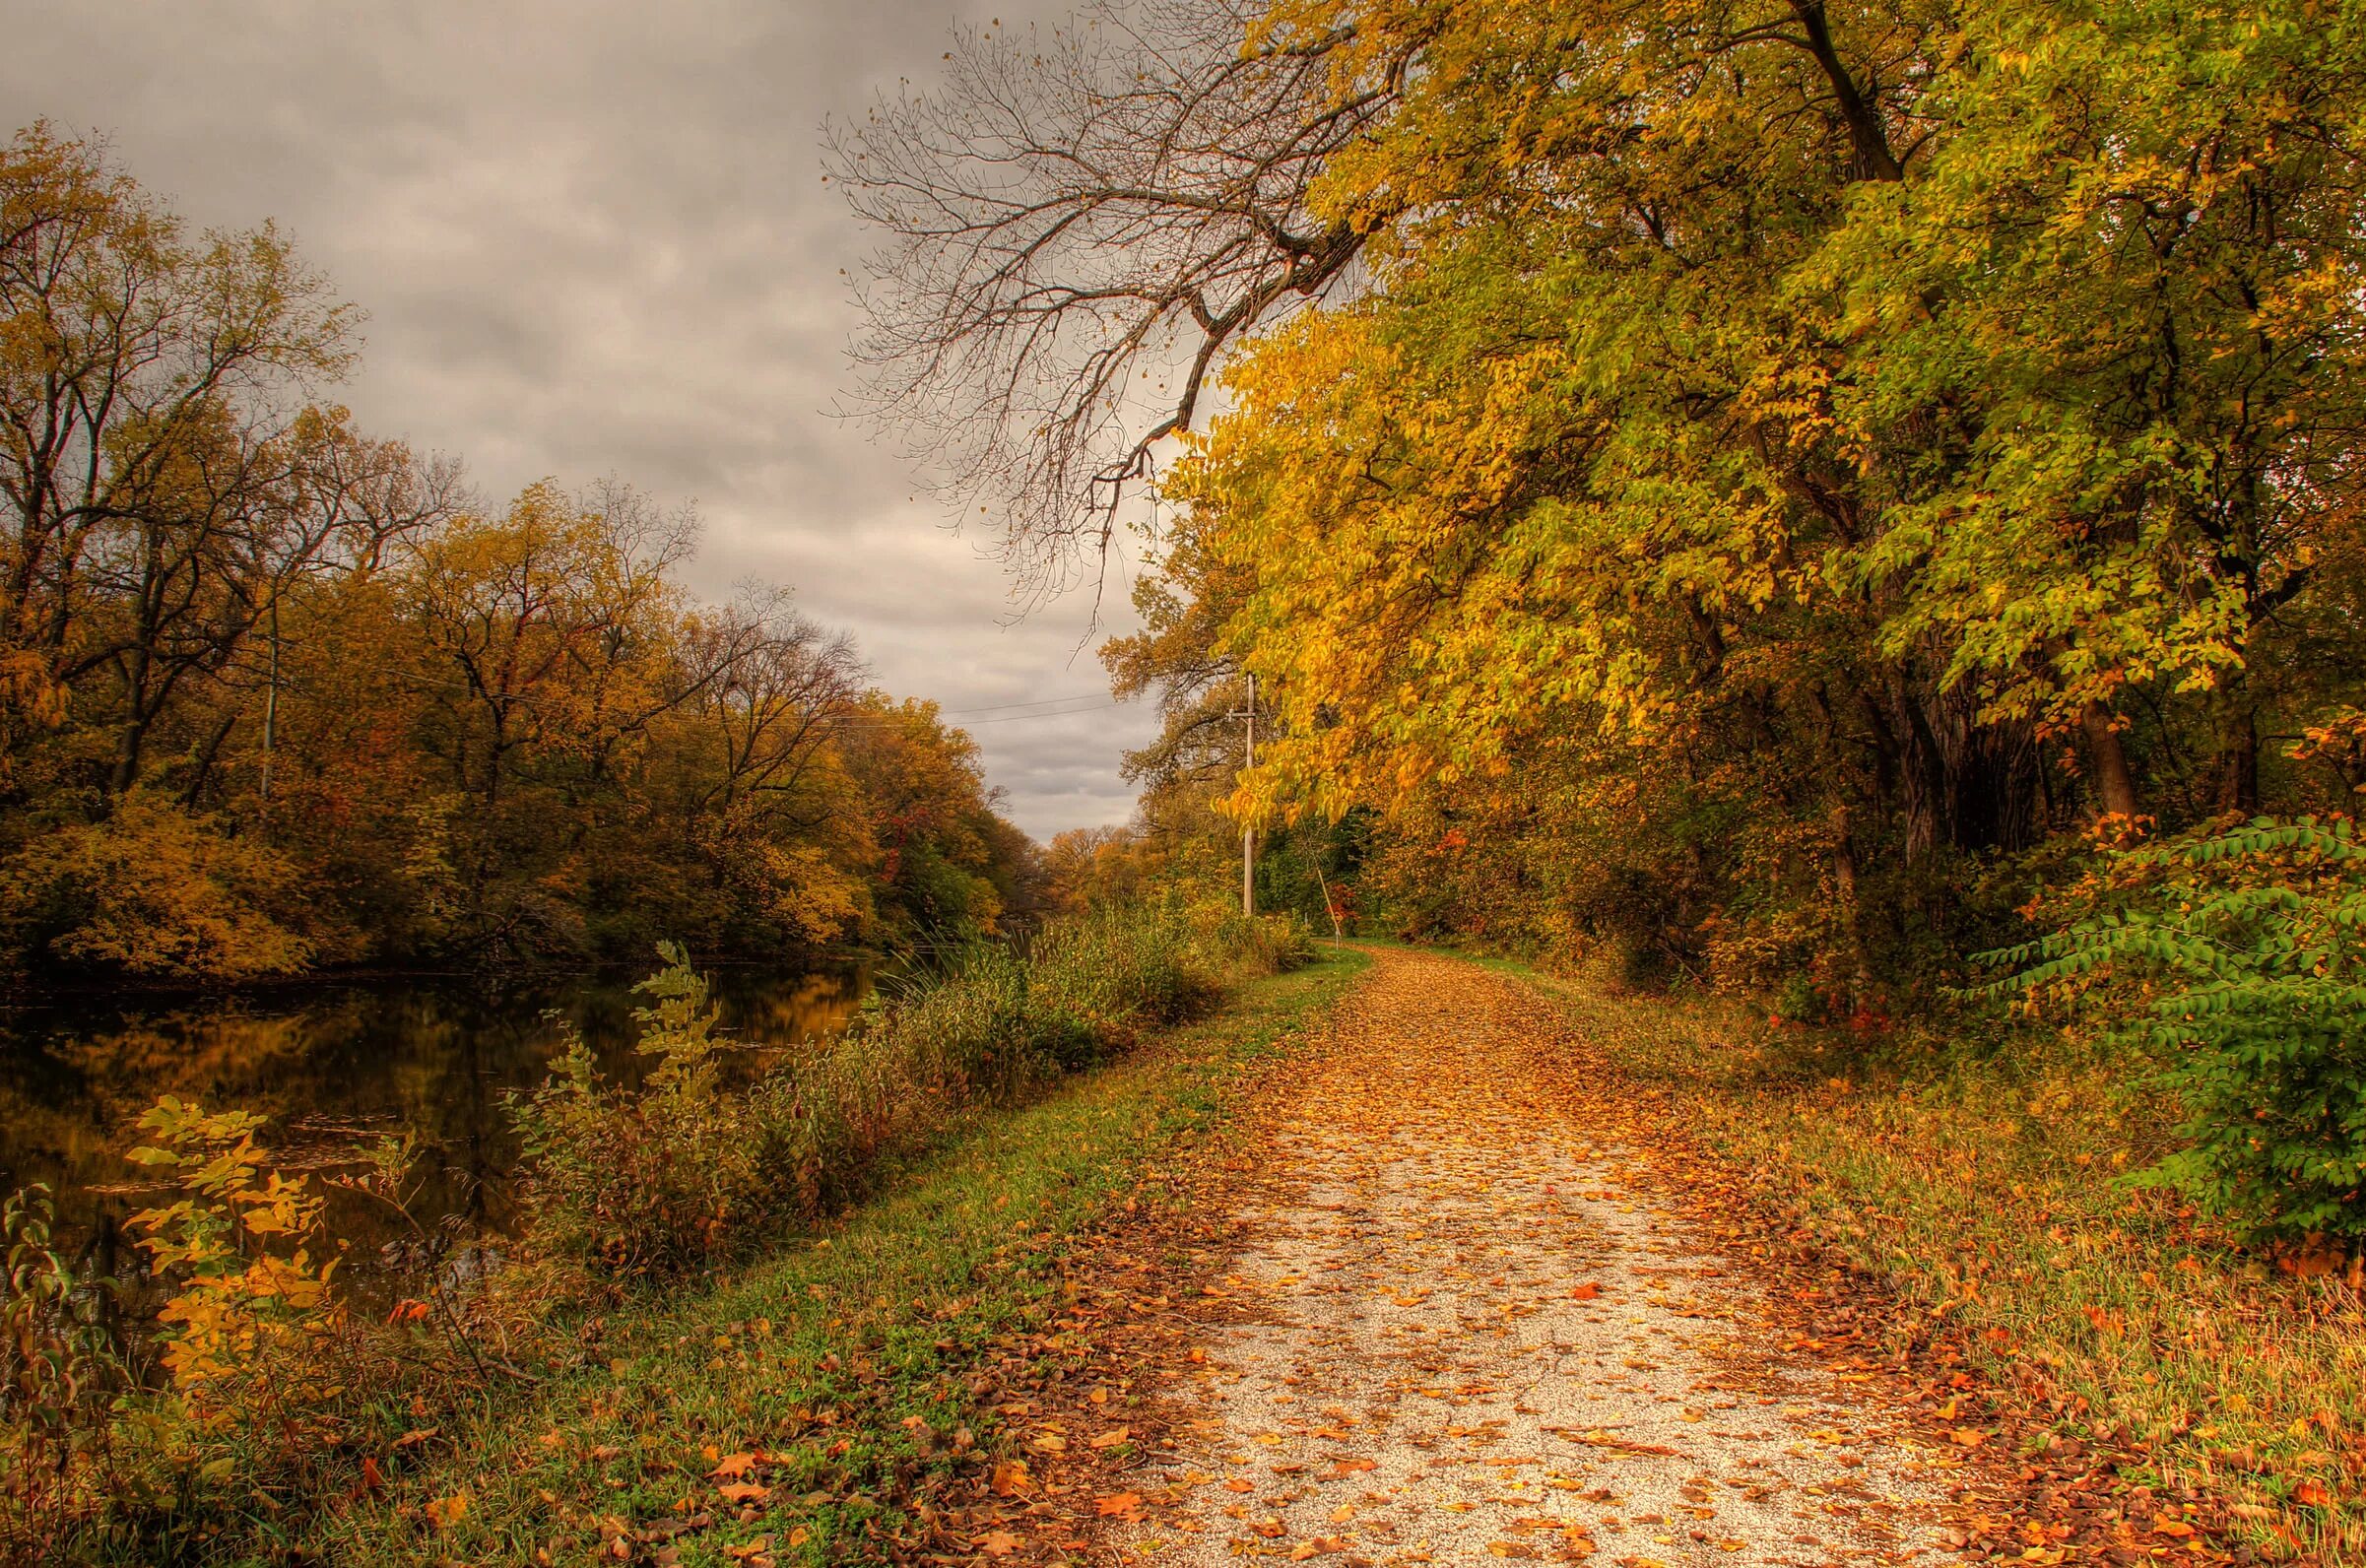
{"x":333,"y":1067}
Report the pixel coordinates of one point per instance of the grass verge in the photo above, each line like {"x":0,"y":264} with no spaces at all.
{"x":806,"y":1407}
{"x":1979,"y":1181}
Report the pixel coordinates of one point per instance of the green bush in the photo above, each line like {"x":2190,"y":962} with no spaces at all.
{"x":2238,"y":957}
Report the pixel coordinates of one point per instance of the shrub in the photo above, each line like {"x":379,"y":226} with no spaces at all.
{"x":647,"y":1180}
{"x":57,"y":1373}
{"x":2239,"y":958}
{"x":273,"y":1385}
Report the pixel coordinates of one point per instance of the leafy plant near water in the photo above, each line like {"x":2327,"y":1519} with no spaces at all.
{"x":57,"y":1372}
{"x":632,"y":1183}
{"x":2238,"y":958}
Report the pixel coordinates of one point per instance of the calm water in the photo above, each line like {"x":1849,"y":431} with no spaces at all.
{"x":334,"y":1066}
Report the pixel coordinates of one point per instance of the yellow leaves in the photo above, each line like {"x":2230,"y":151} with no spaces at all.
{"x":446,"y":1512}
{"x":164,"y":891}
{"x":242,"y":1317}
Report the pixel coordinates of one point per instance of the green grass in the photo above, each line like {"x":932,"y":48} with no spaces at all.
{"x":1978,"y":1178}
{"x":853,"y":1357}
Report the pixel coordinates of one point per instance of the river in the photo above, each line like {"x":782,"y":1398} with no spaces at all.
{"x":334,"y":1066}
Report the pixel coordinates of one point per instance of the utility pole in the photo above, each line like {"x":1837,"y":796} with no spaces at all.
{"x":1248,"y":836}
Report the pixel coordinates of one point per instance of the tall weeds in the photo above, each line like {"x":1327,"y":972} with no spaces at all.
{"x":628,"y":1184}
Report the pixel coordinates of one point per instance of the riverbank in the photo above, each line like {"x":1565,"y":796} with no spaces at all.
{"x":808,"y":1406}
{"x":283,"y":1402}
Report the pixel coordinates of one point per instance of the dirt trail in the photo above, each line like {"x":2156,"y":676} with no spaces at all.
{"x":1457,"y":1336}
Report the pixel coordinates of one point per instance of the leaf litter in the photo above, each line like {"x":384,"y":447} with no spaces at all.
{"x":1445,"y":1300}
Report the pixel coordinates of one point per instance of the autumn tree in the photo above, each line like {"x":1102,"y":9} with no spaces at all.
{"x":167,"y":473}
{"x":1781,"y":464}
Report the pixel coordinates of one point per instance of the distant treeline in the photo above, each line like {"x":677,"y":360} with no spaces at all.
{"x":276,"y":695}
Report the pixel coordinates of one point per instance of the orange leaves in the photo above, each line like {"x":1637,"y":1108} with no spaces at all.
{"x":732,"y":1468}
{"x":744,"y":1491}
{"x":1585,"y":1292}
{"x":999,"y":1543}
{"x":2313,"y":1493}
{"x":446,"y":1512}
{"x":1346,"y":1468}
{"x":1120,"y":1504}
{"x":1011,"y":1479}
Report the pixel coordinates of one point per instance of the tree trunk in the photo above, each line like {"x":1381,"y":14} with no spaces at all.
{"x":2107,"y":762}
{"x":2238,"y":763}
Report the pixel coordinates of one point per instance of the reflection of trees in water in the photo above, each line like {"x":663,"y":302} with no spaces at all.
{"x":333,"y":1069}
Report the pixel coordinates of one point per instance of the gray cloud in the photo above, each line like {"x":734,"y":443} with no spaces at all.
{"x":593,"y":238}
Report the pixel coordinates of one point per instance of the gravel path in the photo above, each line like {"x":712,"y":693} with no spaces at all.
{"x":1461,"y":1339}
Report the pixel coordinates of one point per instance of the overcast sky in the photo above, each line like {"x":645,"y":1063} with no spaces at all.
{"x":592,"y":238}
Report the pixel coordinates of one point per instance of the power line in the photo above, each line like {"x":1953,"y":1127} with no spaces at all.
{"x":1080,"y":696}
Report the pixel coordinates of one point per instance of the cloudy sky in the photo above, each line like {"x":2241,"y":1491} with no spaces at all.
{"x":592,"y":239}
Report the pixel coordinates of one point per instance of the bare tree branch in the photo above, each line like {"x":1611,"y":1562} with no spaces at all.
{"x":1079,"y":225}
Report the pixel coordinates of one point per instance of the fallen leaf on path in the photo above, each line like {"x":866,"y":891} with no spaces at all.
{"x":1120,"y":1504}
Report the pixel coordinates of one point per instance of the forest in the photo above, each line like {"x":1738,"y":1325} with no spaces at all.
{"x":278,"y":696}
{"x":1797,"y":570}
{"x":1772,"y":495}
{"x":1851,"y":507}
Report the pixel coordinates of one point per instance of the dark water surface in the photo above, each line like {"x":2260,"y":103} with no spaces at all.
{"x":335,"y":1067}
